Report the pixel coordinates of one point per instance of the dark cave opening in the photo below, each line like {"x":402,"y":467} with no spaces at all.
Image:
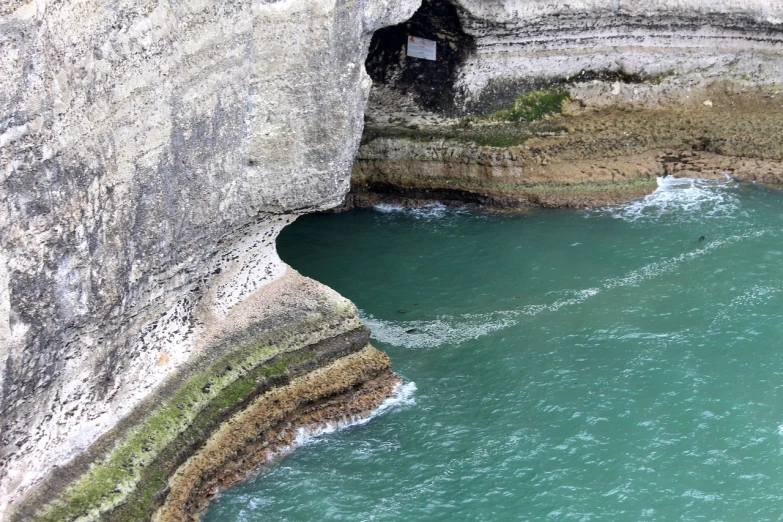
{"x":430,"y":82}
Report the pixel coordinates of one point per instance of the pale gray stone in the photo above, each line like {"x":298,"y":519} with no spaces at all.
{"x":612,"y":52}
{"x":150,"y":152}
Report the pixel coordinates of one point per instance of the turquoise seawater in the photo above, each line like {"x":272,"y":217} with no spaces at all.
{"x":602,"y":364}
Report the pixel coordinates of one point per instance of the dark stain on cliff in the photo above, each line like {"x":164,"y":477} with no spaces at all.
{"x":430,"y":82}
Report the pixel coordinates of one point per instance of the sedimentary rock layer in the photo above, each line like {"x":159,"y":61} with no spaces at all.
{"x":296,"y":347}
{"x":346,"y":389}
{"x":643,"y":84}
{"x":514,"y":177}
{"x":585,"y":156}
{"x":150,"y":153}
{"x":642,"y":52}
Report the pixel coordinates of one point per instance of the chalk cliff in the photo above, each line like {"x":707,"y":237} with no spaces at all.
{"x":560,"y":103}
{"x":150,"y":153}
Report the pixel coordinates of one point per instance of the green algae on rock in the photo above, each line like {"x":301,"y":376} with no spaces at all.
{"x":347,"y":388}
{"x":582,"y":156}
{"x":295,"y":327}
{"x":532,"y":106}
{"x":141,"y":202}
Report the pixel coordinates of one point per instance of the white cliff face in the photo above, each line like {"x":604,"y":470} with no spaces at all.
{"x":678,"y":44}
{"x":505,"y":10}
{"x":150,"y":153}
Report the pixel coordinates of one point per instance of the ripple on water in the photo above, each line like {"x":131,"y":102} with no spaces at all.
{"x":634,"y":376}
{"x":451,"y":330}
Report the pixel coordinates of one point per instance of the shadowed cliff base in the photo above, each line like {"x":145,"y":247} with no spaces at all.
{"x":573,"y":155}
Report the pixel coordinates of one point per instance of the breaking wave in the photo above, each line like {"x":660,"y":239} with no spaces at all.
{"x":680,"y":196}
{"x":402,"y":395}
{"x":431,"y":211}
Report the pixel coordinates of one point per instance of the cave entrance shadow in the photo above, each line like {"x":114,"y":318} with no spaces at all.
{"x":430,"y":82}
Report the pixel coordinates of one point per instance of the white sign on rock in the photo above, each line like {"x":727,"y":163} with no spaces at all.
{"x":421,"y":48}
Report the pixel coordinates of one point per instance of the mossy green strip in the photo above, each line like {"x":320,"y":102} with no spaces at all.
{"x":154,"y":478}
{"x":110,"y":481}
{"x":532,"y":106}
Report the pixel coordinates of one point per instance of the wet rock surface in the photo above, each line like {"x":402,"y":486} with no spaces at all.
{"x":152,"y":152}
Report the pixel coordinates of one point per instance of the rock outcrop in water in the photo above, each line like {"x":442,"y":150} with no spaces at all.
{"x":151,"y":152}
{"x":572,"y":103}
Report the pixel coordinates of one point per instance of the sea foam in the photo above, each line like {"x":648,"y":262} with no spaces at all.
{"x":428,"y":212}
{"x":403,"y":394}
{"x":680,"y":196}
{"x":454,"y":330}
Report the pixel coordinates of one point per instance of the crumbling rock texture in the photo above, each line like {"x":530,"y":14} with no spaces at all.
{"x":348,"y":388}
{"x":285,"y":334}
{"x":150,"y":153}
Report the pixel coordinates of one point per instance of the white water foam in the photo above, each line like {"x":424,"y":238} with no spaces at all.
{"x":428,"y":212}
{"x":699,"y":197}
{"x":665,"y":266}
{"x":402,"y":395}
{"x":454,"y":330}
{"x":458,"y":329}
{"x":680,"y":196}
{"x":442,"y":330}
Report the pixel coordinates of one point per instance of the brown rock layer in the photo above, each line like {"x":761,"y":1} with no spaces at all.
{"x":348,"y":388}
{"x":276,"y":342}
{"x":582,"y":157}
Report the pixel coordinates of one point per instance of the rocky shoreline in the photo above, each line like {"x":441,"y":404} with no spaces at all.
{"x":153,"y":152}
{"x":581,"y":156}
{"x":294,"y":354}
{"x":345,"y":390}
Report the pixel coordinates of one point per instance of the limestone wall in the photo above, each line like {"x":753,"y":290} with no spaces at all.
{"x":642,"y":52}
{"x":150,"y":152}
{"x":562,"y":103}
